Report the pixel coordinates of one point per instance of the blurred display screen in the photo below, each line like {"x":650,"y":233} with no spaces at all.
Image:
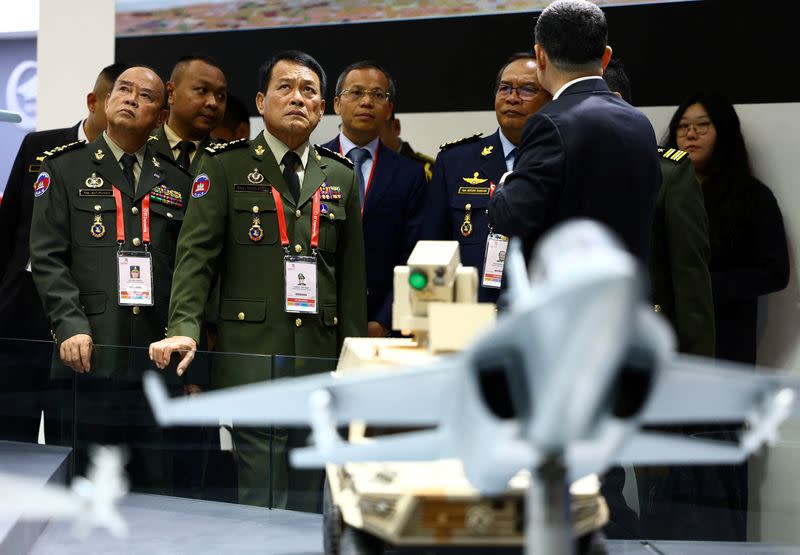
{"x":147,"y":17}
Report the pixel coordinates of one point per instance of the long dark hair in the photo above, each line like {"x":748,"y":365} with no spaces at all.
{"x":729,"y":185}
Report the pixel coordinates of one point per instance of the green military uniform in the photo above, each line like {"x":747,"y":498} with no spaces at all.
{"x":424,"y":160}
{"x":160,"y":142}
{"x":679,"y":257}
{"x":235,"y":186}
{"x":74,"y":265}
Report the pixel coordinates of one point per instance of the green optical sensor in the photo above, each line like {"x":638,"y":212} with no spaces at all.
{"x":418,"y":280}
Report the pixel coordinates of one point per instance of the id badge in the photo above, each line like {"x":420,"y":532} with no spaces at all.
{"x":494,"y":261}
{"x":300,"y":274}
{"x":135,"y":278}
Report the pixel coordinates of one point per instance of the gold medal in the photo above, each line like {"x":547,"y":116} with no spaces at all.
{"x":466,"y":225}
{"x":256,"y":233}
{"x":98,"y":229}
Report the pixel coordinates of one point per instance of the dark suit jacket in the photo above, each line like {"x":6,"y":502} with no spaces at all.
{"x":392,"y":219}
{"x":21,"y":313}
{"x":587,"y":154}
{"x":449,"y":194}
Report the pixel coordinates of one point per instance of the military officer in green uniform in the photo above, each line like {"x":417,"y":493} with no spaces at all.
{"x":197,"y":92}
{"x":100,"y":209}
{"x":272,"y":207}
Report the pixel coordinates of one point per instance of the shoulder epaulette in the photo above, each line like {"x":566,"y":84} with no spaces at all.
{"x":328,"y":153}
{"x":57,"y":151}
{"x":672,"y":154}
{"x":461,"y":141}
{"x":216,"y":148}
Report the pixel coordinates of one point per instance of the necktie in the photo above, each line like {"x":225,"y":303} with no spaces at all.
{"x":359,"y":156}
{"x":290,"y":162}
{"x":127,"y":161}
{"x":185,"y":148}
{"x":511,"y":159}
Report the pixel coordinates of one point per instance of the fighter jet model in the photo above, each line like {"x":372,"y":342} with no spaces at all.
{"x":568,"y":378}
{"x":89,"y":502}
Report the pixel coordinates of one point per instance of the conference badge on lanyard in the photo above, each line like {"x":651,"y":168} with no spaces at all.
{"x":300,"y":272}
{"x":134,"y":268}
{"x":494,"y":261}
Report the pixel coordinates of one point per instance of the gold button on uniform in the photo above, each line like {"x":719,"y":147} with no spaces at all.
{"x":240,"y":316}
{"x":136,"y":241}
{"x":468,"y":207}
{"x":657,"y":308}
{"x":256,"y":209}
{"x":297,"y":213}
{"x":298,"y":249}
{"x":332,"y":216}
{"x":169,"y":215}
{"x":136,"y":310}
{"x":97,"y":207}
{"x":335,"y":320}
{"x":298,"y":322}
{"x":134,"y":210}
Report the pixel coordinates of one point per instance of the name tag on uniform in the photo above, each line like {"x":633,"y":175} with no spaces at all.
{"x":244,"y":188}
{"x":135,"y":278}
{"x":473,"y":190}
{"x":95,"y":193}
{"x":301,"y":284}
{"x":494,"y":261}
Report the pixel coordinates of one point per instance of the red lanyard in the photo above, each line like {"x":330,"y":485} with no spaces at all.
{"x":371,"y":172}
{"x":315,"y":219}
{"x":121,"y":218}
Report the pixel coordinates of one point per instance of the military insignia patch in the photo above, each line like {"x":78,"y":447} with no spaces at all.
{"x":323,"y":208}
{"x":42,"y":184}
{"x":259,"y":150}
{"x":474,"y":180}
{"x":255,"y":176}
{"x":672,"y":154}
{"x":94,"y":182}
{"x":487,"y":150}
{"x":200,"y":186}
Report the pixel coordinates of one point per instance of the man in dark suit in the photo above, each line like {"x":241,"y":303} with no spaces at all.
{"x":466,"y":169}
{"x":21,"y":313}
{"x":197,"y":92}
{"x":586,"y":154}
{"x":392,"y":186}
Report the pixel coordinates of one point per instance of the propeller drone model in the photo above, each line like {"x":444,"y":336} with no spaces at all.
{"x":570,"y":374}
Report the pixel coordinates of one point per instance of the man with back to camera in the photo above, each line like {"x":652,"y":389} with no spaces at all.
{"x":466,"y":169}
{"x":21,"y":312}
{"x":100,"y":208}
{"x":197,"y":93}
{"x":254,"y":209}
{"x":586,"y":154}
{"x":393,"y":187}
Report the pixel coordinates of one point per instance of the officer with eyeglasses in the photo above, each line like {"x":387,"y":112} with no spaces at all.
{"x":467,"y":169}
{"x":391,"y":187}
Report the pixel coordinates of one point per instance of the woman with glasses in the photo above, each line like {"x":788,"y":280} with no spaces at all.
{"x":749,"y":256}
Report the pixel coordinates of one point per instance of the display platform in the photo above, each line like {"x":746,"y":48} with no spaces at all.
{"x":43,"y":464}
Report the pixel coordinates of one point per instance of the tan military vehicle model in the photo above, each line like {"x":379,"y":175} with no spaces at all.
{"x":369,"y":507}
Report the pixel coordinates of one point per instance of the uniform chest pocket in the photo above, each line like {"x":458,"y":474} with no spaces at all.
{"x":469,"y":217}
{"x":94,"y":221}
{"x":332,"y":219}
{"x":254,"y":220}
{"x":165,"y":225}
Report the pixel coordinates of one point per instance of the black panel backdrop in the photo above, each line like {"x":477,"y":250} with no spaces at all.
{"x":449,"y":64}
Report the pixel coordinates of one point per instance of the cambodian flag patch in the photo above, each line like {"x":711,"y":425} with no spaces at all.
{"x":41,"y":185}
{"x":200,"y":186}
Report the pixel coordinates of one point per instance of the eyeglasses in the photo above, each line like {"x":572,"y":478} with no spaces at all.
{"x":700,"y":127}
{"x":376,"y":95}
{"x":526,"y":92}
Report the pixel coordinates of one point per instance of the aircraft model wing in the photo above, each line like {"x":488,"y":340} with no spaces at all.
{"x":11,"y":117}
{"x":31,"y":500}
{"x":381,"y":397}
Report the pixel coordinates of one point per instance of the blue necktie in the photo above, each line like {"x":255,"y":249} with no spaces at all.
{"x":359,"y":156}
{"x":511,"y":159}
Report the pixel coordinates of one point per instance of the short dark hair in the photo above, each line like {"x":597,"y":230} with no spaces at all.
{"x":617,"y":80}
{"x":298,"y":57}
{"x":109,"y":74}
{"x":184,"y":61}
{"x":367,"y":64}
{"x":511,"y":59}
{"x":235,"y":113}
{"x":574,"y":33}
